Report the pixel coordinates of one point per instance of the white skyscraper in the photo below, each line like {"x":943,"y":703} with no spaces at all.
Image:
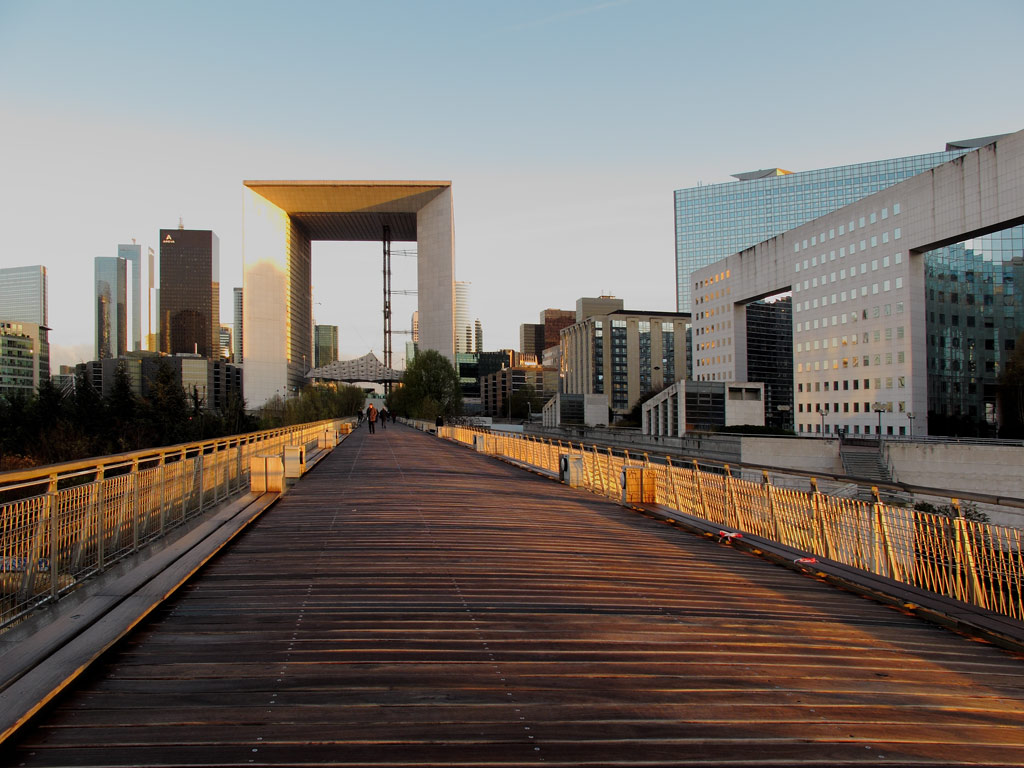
{"x":463,"y":325}
{"x":132,"y":254}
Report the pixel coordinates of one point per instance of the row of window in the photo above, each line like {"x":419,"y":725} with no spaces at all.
{"x":843,"y":229}
{"x":877,"y":335}
{"x":856,"y":428}
{"x":813,"y":262}
{"x":834,"y":277}
{"x":853,"y":361}
{"x":875,"y":311}
{"x":874,"y":289}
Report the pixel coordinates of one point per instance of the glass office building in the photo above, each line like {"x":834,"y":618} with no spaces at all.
{"x":24,"y":334}
{"x":974,"y":321}
{"x":325,"y":344}
{"x":717,"y":220}
{"x":132,"y":254}
{"x":190,"y":292}
{"x":239,"y":330}
{"x":111,"y":297}
{"x":770,"y":357}
{"x":23,"y":294}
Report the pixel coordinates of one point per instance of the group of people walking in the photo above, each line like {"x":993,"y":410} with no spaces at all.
{"x":373,"y":416}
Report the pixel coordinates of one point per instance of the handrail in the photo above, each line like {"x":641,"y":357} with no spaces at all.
{"x":63,"y":523}
{"x":115,"y":460}
{"x":974,"y":562}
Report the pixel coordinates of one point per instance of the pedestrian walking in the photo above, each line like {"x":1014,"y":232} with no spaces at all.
{"x":383,"y":418}
{"x":371,"y":417}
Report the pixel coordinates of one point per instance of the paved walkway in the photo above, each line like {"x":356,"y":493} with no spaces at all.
{"x":413,"y":603}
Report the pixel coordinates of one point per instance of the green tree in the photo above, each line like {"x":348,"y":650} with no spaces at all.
{"x":525,"y":401}
{"x":432,"y":388}
{"x":635,"y":416}
{"x":57,"y":436}
{"x":167,"y":408}
{"x":315,"y":403}
{"x":968,"y":510}
{"x":122,"y":406}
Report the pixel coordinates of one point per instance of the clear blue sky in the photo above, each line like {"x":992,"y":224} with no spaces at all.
{"x":564,"y":126}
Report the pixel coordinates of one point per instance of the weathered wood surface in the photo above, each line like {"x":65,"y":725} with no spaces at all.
{"x":413,"y":603}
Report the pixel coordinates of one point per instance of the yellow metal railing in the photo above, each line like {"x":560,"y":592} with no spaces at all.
{"x":62,"y":523}
{"x":978,"y":563}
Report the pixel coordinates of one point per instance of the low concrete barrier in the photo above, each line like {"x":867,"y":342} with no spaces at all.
{"x":266,"y":474}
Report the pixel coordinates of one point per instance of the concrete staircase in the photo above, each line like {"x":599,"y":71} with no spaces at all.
{"x":864,"y":462}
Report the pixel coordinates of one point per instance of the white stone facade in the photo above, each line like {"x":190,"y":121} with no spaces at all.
{"x":857,"y":277}
{"x":623,"y":355}
{"x":277,"y":342}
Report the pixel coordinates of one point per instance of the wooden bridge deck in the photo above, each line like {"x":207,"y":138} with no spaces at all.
{"x":411,"y":603}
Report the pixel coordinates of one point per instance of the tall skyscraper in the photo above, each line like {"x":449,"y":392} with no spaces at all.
{"x":531,"y":339}
{"x":132,"y":254}
{"x":24,"y":335}
{"x":478,"y":336}
{"x":23,"y":294}
{"x":226,"y":344}
{"x":190,"y":292}
{"x":152,"y":304}
{"x":717,"y":220}
{"x":325,"y":344}
{"x":554,"y":320}
{"x":416,"y":326}
{"x":463,"y":325}
{"x":111,"y":301}
{"x":239,"y":306}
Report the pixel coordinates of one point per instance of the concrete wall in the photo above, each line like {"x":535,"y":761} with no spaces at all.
{"x":990,"y":469}
{"x":266,"y":307}
{"x":803,"y":454}
{"x":435,"y":274}
{"x":722,"y":448}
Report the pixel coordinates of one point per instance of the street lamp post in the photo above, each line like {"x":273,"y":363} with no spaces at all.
{"x":821,"y":412}
{"x":879,"y":408}
{"x":911,"y":417}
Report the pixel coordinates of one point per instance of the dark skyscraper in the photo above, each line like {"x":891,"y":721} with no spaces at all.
{"x":190,"y":292}
{"x":770,"y":357}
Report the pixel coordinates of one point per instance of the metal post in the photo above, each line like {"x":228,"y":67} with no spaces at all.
{"x":202,"y":486}
{"x":181,"y":483}
{"x":966,"y":558}
{"x":700,"y":491}
{"x":163,"y":493}
{"x":387,"y":303}
{"x":51,"y":511}
{"x":772,"y":512}
{"x":101,"y":523}
{"x":883,"y":544}
{"x":819,"y":542}
{"x":136,"y":504}
{"x":731,"y":509}
{"x":672,"y":480}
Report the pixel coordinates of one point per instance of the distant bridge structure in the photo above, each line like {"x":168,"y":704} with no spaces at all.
{"x":366,"y":368}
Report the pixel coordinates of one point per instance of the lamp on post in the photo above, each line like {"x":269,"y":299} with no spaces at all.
{"x":911,"y":417}
{"x":878,"y":408}
{"x":821,"y":412}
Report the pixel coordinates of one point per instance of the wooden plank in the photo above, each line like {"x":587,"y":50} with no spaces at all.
{"x":31,"y":691}
{"x":413,"y":603}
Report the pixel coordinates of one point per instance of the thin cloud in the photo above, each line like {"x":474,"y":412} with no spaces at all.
{"x":569,"y":14}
